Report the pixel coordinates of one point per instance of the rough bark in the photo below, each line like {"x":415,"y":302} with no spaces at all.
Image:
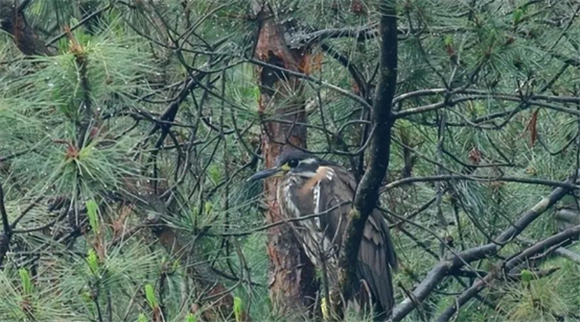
{"x":368,"y":191}
{"x":292,"y":275}
{"x":13,"y":21}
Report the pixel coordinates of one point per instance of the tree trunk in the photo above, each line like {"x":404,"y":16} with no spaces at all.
{"x":12,"y":21}
{"x":292,"y":276}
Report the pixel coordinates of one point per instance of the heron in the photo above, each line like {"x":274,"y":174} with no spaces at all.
{"x":317,"y":194}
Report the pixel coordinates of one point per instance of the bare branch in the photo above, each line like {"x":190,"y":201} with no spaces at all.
{"x":367,"y":193}
{"x":443,"y":268}
{"x":513,"y":262}
{"x":7,"y":229}
{"x":450,"y":177}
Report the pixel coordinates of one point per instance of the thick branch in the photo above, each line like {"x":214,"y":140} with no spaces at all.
{"x":529,"y":252}
{"x":445,"y":267}
{"x":13,"y":21}
{"x":367,"y":194}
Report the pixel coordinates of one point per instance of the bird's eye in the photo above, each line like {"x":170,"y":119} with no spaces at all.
{"x":293,"y":163}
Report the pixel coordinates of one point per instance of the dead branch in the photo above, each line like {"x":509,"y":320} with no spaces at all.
{"x":446,"y":266}
{"x":513,"y":262}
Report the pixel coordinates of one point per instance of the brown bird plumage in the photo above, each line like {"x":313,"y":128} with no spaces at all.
{"x":314,"y":186}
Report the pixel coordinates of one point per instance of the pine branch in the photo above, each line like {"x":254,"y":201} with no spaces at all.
{"x":7,"y":229}
{"x":445,"y":267}
{"x":513,"y":262}
{"x":367,"y":194}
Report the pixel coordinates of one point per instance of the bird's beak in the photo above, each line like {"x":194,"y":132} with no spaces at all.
{"x":274,"y":172}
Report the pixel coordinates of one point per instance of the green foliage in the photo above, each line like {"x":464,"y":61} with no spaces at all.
{"x":93,"y":262}
{"x":238,"y":308}
{"x":93,"y":216}
{"x":136,"y":211}
{"x":27,"y":287}
{"x":542,"y":298}
{"x":150,"y":296}
{"x":526,"y":276}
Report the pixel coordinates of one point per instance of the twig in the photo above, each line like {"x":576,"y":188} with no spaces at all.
{"x":82,"y":22}
{"x":26,"y":211}
{"x":7,"y":233}
{"x":300,"y":75}
{"x":513,"y":262}
{"x":278,"y":223}
{"x":449,"y":177}
{"x":443,"y":268}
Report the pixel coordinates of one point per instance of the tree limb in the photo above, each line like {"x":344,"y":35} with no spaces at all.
{"x":446,"y":266}
{"x":367,"y":194}
{"x":450,"y":177}
{"x":13,"y":21}
{"x":7,"y":233}
{"x":513,"y":262}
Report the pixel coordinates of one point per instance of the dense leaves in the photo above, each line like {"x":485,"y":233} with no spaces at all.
{"x":128,"y":128}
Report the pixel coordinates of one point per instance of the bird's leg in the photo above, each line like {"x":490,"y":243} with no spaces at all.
{"x":338,"y":304}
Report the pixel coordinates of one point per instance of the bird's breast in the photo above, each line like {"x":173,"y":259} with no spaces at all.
{"x":299,"y":198}
{"x":295,"y":201}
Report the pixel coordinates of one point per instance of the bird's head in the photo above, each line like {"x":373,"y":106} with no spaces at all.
{"x":294,"y":162}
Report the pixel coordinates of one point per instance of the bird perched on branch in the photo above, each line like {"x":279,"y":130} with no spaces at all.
{"x":321,"y":193}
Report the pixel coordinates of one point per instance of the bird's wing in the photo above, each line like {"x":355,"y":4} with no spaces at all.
{"x":376,"y":254}
{"x":376,"y":258}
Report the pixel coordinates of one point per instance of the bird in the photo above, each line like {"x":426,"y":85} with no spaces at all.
{"x":317,"y":195}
